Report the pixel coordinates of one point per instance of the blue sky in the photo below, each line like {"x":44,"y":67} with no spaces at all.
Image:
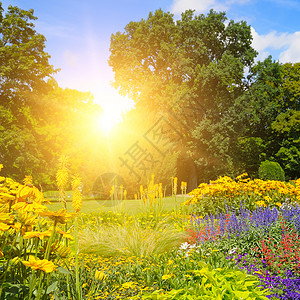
{"x":78,"y":33}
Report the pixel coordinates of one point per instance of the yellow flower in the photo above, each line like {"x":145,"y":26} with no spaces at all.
{"x":4,"y":197}
{"x":6,"y":218}
{"x":40,"y":235}
{"x":27,"y":218}
{"x":62,"y":175}
{"x":261,"y":203}
{"x":66,"y":235}
{"x":36,"y":207}
{"x":167,"y":276}
{"x":170,"y":262}
{"x":4,"y":227}
{"x":17,"y":226}
{"x":268,"y":199}
{"x":146,"y":269}
{"x":61,"y":216}
{"x":1,"y":166}
{"x":25,"y":192}
{"x":128,"y":285}
{"x":40,"y":264}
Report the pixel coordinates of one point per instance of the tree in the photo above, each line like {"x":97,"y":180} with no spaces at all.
{"x":286,"y":126}
{"x":193,"y":67}
{"x":24,"y":65}
{"x":271,"y":117}
{"x":24,"y":71}
{"x":38,"y":120}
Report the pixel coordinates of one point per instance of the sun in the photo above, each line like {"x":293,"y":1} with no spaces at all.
{"x":114,"y":107}
{"x":108,"y":119}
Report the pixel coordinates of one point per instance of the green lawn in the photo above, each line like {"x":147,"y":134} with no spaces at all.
{"x":129,"y":206}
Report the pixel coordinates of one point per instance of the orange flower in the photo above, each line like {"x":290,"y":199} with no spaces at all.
{"x":38,"y":264}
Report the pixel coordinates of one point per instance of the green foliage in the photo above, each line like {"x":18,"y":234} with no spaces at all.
{"x":270,"y":170}
{"x":215,"y":284}
{"x":272,"y":113}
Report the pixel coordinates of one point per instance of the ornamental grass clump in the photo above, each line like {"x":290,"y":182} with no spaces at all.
{"x":130,"y":239}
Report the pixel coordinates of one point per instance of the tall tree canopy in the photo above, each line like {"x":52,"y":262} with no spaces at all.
{"x":24,"y":71}
{"x":194,"y":67}
{"x":38,"y":120}
{"x":271,"y":120}
{"x":24,"y":64}
{"x":233,"y":113}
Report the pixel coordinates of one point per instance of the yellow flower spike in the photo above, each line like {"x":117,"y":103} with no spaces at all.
{"x":27,"y":180}
{"x":38,"y":264}
{"x":62,"y":176}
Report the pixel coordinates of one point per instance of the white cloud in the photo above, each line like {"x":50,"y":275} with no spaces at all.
{"x":201,"y":6}
{"x":286,"y":44}
{"x":292,"y":53}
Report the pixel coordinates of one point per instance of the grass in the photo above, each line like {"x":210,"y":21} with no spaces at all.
{"x":131,"y":207}
{"x":130,"y":239}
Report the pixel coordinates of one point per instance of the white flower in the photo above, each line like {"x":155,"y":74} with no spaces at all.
{"x":193,"y":246}
{"x":184,"y":246}
{"x":232,"y":251}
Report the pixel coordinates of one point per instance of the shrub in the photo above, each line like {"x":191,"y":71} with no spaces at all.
{"x":271,"y":170}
